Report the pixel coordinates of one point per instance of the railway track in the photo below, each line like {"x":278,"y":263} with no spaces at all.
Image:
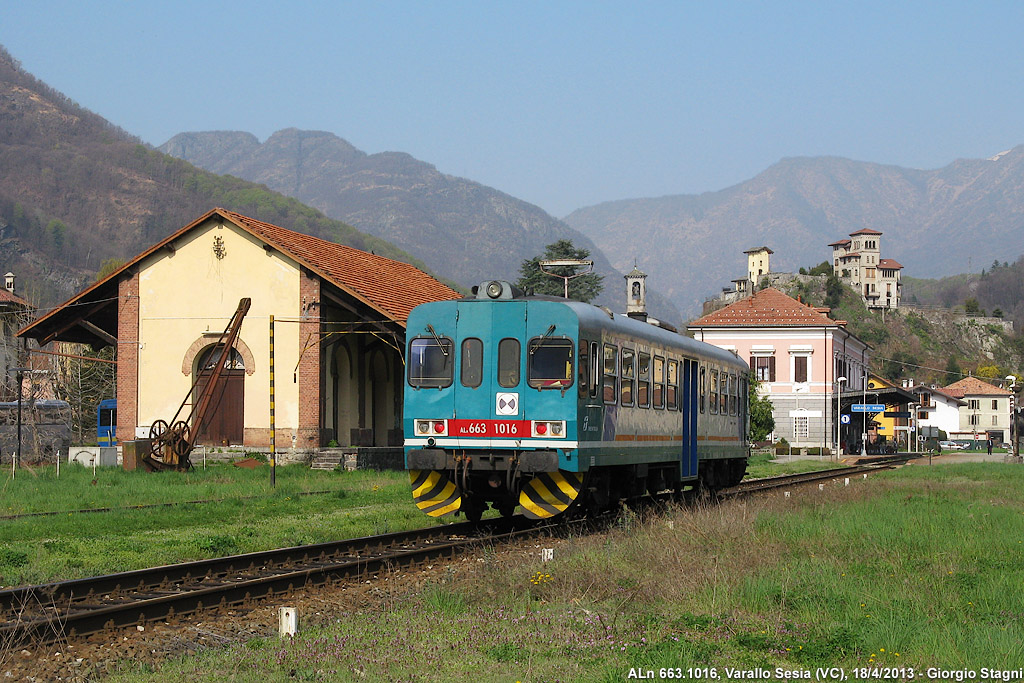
{"x":768,"y":483}
{"x":81,"y":607}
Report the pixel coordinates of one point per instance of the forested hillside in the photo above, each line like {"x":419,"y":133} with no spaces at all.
{"x":76,"y":190}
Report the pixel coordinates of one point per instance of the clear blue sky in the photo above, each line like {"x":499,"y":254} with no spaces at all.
{"x":563,"y":104}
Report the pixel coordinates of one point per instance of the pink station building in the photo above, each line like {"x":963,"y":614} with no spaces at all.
{"x":810,"y":366}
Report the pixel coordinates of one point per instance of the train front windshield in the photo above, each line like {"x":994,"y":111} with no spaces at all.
{"x":550,"y":363}
{"x":430,"y":362}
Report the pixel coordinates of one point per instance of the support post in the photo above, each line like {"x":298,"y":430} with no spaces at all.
{"x":273,"y":439}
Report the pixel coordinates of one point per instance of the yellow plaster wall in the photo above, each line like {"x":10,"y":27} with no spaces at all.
{"x":192,"y":291}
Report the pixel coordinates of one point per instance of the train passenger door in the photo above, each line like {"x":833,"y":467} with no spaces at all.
{"x":688,"y":407}
{"x":490,"y":368}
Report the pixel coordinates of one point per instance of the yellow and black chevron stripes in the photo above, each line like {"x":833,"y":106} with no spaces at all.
{"x":433,"y":493}
{"x":550,"y":493}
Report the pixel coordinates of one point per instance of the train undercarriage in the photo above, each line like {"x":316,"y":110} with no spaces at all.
{"x":470,"y":482}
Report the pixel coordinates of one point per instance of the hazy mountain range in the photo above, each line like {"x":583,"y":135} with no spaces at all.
{"x":461,"y":229}
{"x":76,"y":190}
{"x":951,"y":220}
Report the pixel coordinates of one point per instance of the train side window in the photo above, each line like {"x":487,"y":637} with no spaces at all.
{"x":732,"y":394}
{"x":723,"y":389}
{"x":550,"y":363}
{"x":627,"y":375}
{"x":713,"y":393}
{"x":643,"y":380}
{"x":611,"y":373}
{"x":508,"y":363}
{"x":430,"y":362}
{"x":734,"y":408}
{"x":584,"y":369}
{"x":673,"y":385}
{"x":472,"y":361}
{"x":595,"y":368}
{"x":659,"y":382}
{"x":702,"y":389}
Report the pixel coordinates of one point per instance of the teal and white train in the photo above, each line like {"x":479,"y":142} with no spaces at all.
{"x":547,"y":404}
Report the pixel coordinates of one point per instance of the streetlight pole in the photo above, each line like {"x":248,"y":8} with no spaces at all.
{"x":566,"y":263}
{"x":864,"y":433}
{"x":839,"y":412}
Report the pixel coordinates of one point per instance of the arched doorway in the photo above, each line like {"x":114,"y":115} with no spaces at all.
{"x":225,"y":417}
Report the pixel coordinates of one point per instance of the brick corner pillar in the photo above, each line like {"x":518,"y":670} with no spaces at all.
{"x":127,"y":354}
{"x":308,"y":436}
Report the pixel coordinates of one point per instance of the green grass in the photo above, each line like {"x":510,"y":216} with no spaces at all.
{"x":916,"y":567}
{"x":768,"y":465}
{"x":246,"y":515}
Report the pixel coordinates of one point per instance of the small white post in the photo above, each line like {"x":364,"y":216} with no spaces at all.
{"x":95,"y":457}
{"x":56,"y":456}
{"x":288,"y":621}
{"x":821,"y":487}
{"x":787,"y":494}
{"x":547,"y":554}
{"x":847,"y":482}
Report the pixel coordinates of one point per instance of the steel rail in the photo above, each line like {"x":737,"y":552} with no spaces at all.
{"x":84,"y":606}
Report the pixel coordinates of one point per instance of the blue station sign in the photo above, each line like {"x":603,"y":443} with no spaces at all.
{"x":867,"y":407}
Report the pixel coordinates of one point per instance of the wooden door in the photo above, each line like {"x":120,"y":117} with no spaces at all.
{"x":224,"y":423}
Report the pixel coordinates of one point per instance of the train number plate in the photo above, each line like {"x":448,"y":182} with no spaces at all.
{"x":509,"y":429}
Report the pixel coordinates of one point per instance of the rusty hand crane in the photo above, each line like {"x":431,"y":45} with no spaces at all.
{"x":172,"y":442}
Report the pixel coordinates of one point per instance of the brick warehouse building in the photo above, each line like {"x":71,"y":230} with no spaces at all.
{"x":340,"y":316}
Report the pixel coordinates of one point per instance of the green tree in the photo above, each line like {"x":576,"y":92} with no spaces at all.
{"x":823,"y":268}
{"x":953,"y":370}
{"x":833,"y":291}
{"x":109,"y":266}
{"x":761,"y":421}
{"x":583,"y":288}
{"x":971,"y":306}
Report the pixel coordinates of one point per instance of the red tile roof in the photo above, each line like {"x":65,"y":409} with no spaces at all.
{"x":8,"y":297}
{"x":865,"y":231}
{"x":839,"y":243}
{"x":889,"y":263}
{"x":392,"y":287}
{"x":767,"y":308}
{"x":972,"y":386}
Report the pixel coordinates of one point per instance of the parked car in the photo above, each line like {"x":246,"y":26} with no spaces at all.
{"x":952,"y":446}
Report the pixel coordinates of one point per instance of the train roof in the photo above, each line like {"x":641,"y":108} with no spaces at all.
{"x":591,"y":316}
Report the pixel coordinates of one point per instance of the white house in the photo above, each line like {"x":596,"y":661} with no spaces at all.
{"x":938,"y":409}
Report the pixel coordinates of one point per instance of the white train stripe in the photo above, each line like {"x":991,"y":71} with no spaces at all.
{"x":496,"y":443}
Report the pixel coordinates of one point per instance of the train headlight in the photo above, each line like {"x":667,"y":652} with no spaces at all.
{"x":439,"y":427}
{"x":494,"y":289}
{"x":549,"y":428}
{"x":422,"y":426}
